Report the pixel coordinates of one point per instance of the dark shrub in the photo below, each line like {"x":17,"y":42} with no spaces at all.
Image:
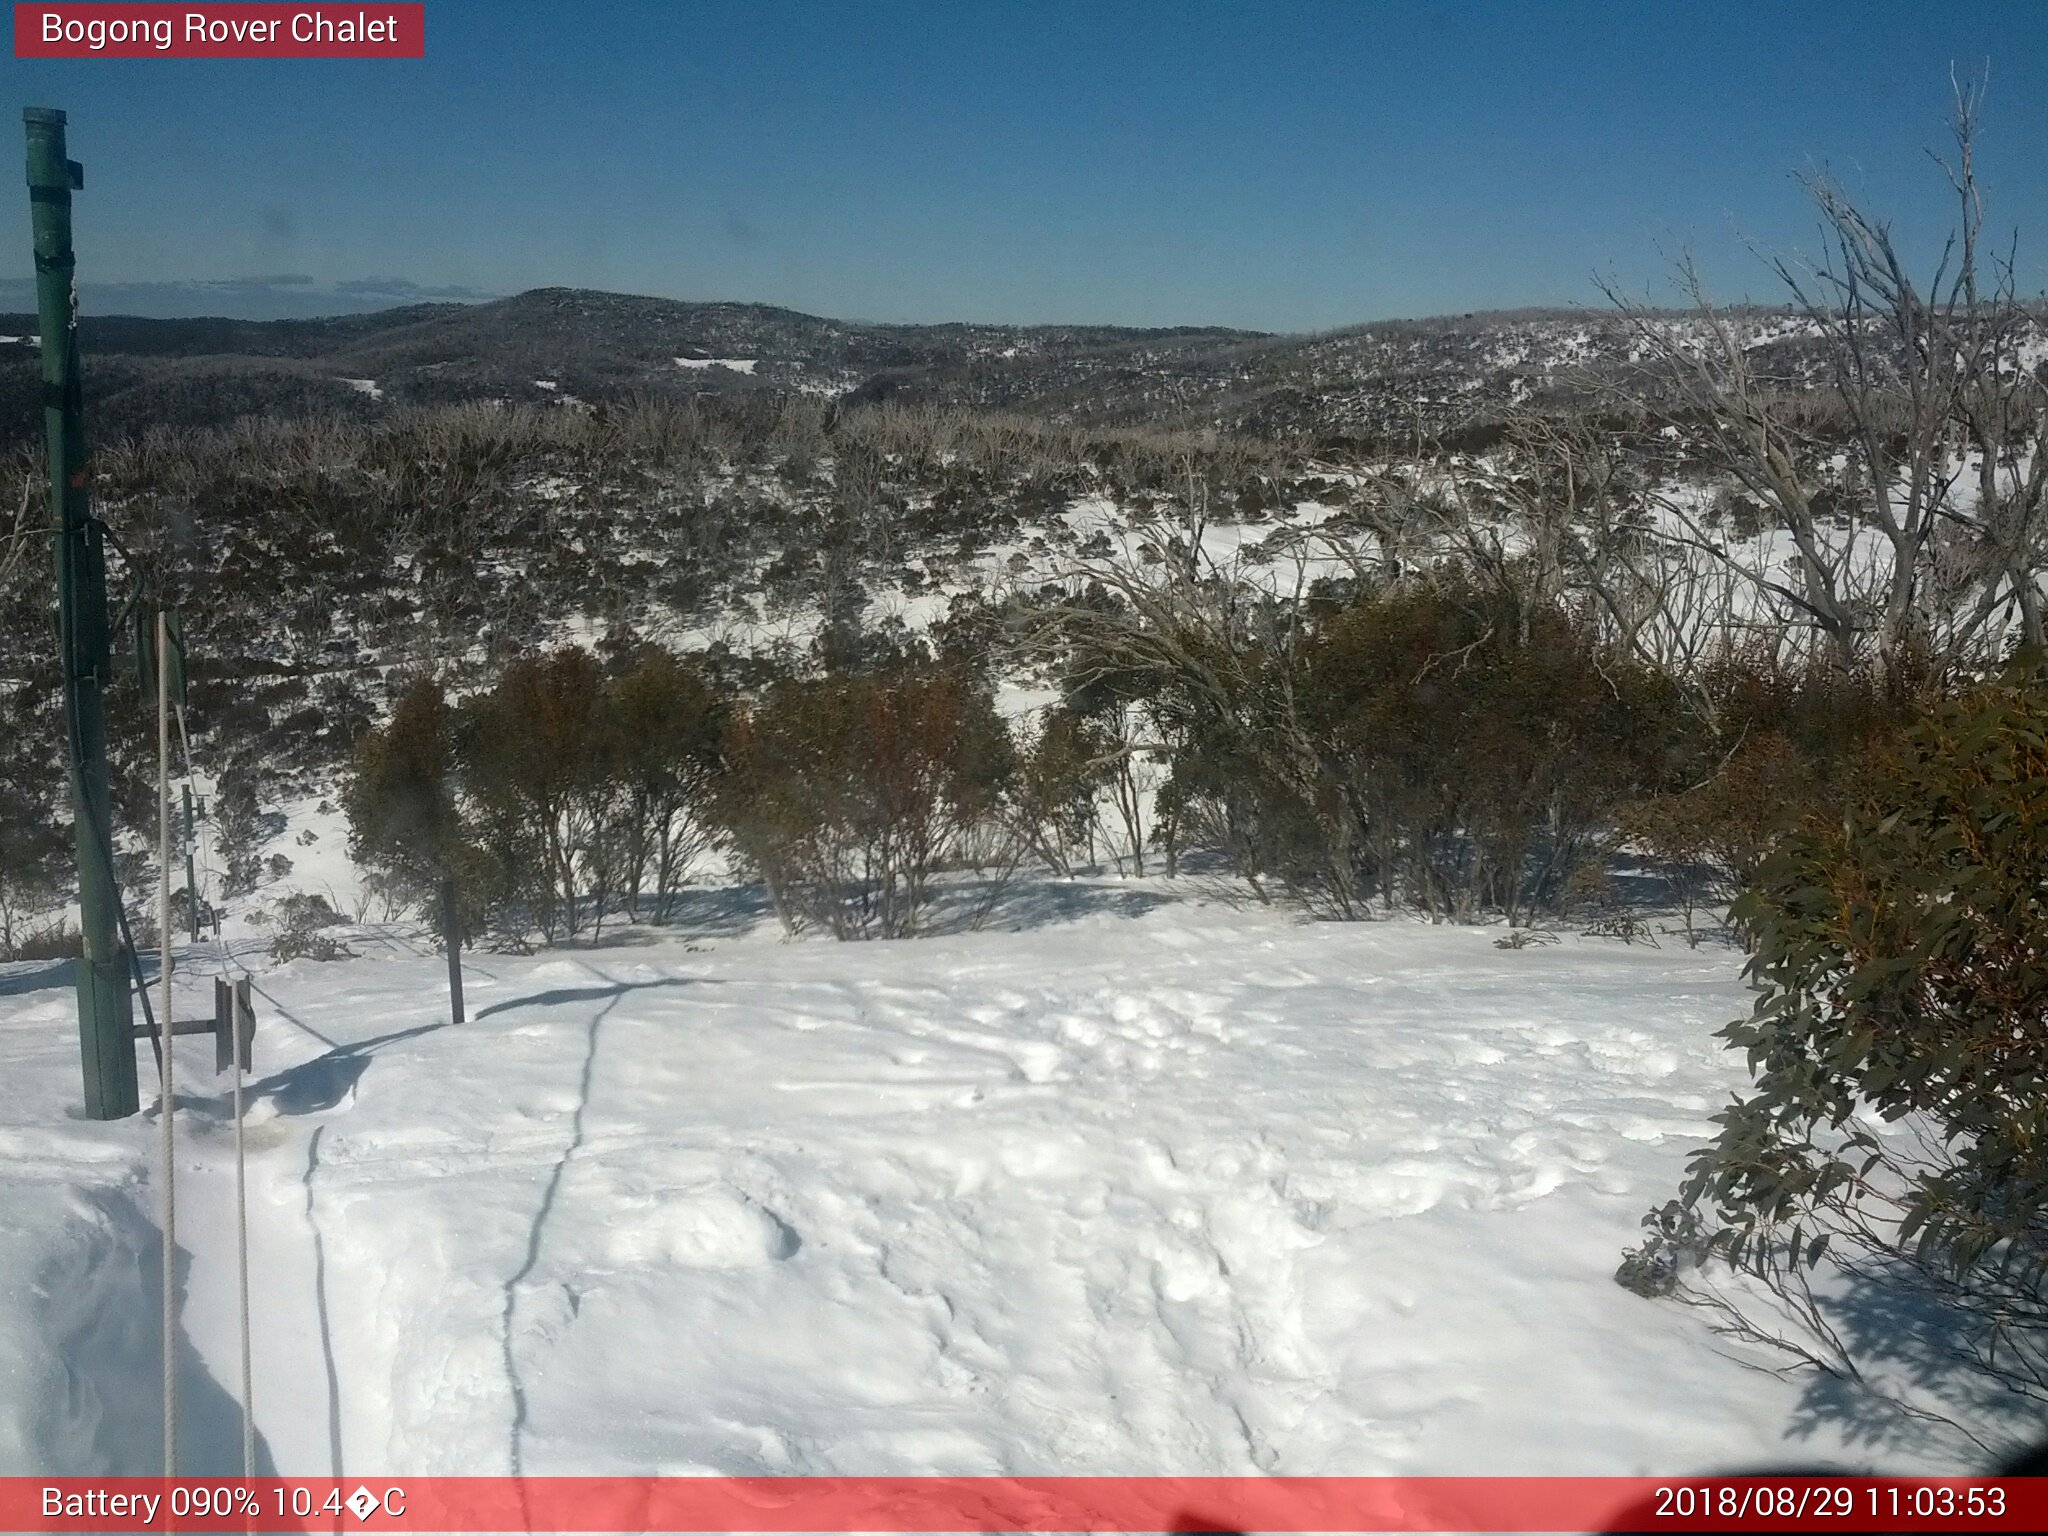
{"x":848,"y":793}
{"x":1901,"y":948}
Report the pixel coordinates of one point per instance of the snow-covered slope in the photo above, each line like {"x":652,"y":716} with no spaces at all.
{"x":1145,"y":1183}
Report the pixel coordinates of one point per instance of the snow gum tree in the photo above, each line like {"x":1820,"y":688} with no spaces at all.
{"x":533,"y":750}
{"x":552,"y":798}
{"x":849,"y":792}
{"x":405,"y":817}
{"x":663,"y":719}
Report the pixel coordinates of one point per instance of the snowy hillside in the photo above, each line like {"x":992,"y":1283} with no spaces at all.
{"x":1144,"y":1183}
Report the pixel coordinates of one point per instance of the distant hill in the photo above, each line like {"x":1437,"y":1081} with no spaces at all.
{"x":1385,"y":380}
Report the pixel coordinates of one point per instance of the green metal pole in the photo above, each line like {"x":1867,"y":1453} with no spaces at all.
{"x":105,"y":1021}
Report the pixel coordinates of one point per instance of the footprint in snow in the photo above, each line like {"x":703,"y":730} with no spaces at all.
{"x":1036,"y":1060}
{"x":709,"y":1227}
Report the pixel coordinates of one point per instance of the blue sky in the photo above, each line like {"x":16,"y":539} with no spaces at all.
{"x":1280,"y":166}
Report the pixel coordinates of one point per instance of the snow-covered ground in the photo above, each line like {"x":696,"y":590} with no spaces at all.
{"x":1137,"y":1181}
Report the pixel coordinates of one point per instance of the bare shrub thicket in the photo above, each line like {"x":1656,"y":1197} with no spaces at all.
{"x":1909,"y":506}
{"x":300,"y":923}
{"x":1435,"y":744}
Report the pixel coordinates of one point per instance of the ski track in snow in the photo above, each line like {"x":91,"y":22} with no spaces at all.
{"x":1196,"y":1190}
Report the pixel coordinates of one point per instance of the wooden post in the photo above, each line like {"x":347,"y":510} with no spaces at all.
{"x":451,"y":936}
{"x":191,"y":877}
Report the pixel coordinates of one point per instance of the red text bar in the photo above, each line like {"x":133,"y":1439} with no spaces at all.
{"x":384,"y":1506}
{"x":103,"y":31}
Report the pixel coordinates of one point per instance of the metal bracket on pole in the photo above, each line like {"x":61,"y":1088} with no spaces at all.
{"x":234,"y":1025}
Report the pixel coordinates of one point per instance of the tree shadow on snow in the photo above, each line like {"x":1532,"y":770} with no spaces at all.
{"x":1035,"y":903}
{"x":515,"y":1283}
{"x":328,"y":1079}
{"x":557,"y":996}
{"x":320,"y":1305}
{"x":1914,"y":1344}
{"x":18,"y":981}
{"x":22,"y":980}
{"x":715,"y":912}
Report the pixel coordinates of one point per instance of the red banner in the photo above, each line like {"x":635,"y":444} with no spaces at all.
{"x":383,"y":1506}
{"x":102,"y":31}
